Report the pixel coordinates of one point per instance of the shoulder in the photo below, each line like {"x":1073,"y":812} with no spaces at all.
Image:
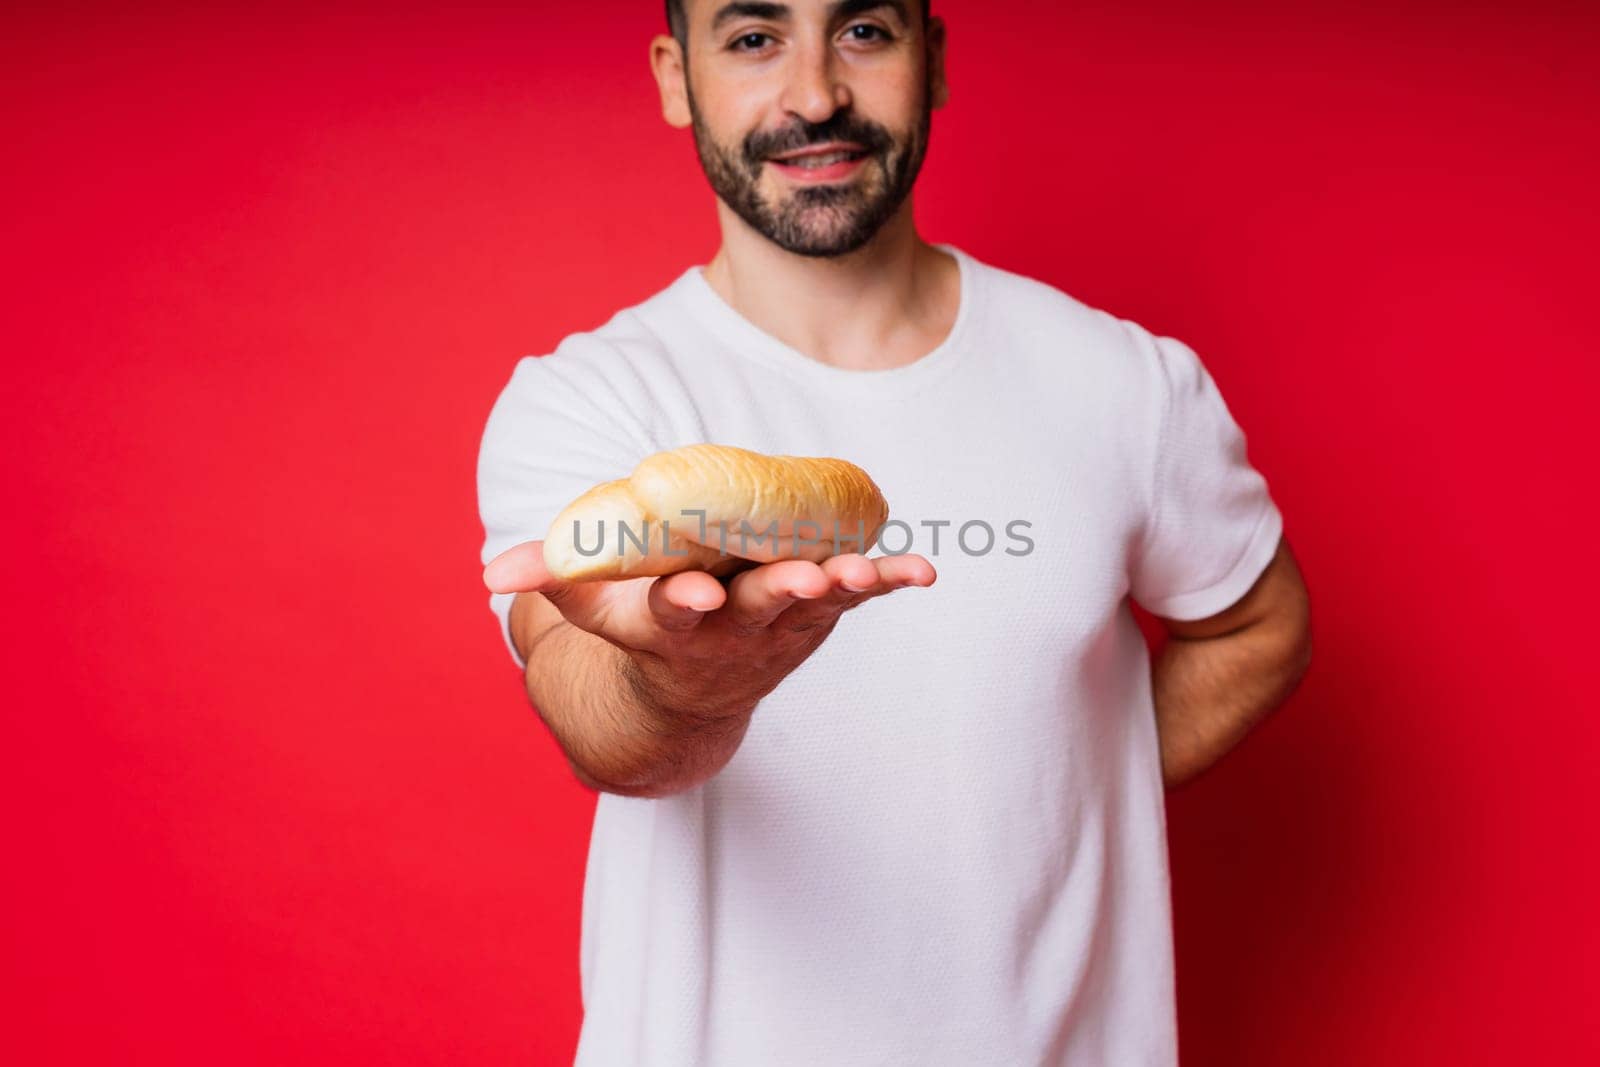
{"x":609,"y":374}
{"x":1017,"y":295}
{"x":1061,"y":327}
{"x":606,"y":356}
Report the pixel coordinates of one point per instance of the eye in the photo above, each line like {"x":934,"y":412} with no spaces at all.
{"x":749,"y":42}
{"x":873,"y":32}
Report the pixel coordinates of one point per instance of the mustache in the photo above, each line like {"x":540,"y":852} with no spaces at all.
{"x":841,"y":127}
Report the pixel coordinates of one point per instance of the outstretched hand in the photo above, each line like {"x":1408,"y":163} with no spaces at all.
{"x":702,"y":648}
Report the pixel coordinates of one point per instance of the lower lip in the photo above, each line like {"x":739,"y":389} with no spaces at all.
{"x":831,"y":173}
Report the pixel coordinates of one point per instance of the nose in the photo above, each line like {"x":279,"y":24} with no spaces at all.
{"x":813,"y":90}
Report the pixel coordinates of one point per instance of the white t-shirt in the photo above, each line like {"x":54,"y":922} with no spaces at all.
{"x":942,"y":841}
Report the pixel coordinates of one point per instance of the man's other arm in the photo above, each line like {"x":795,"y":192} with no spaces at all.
{"x":1219,"y":676}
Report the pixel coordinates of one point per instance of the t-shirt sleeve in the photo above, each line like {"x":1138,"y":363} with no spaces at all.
{"x":1212,"y":525}
{"x":555,"y":431}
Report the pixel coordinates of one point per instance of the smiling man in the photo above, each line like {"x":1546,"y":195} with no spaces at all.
{"x":903,"y":808}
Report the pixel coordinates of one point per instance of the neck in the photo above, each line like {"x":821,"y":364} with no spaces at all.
{"x":884,"y":305}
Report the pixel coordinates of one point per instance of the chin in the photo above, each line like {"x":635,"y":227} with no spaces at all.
{"x":829,"y":246}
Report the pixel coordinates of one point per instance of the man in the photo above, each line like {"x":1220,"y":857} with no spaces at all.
{"x":849,"y":813}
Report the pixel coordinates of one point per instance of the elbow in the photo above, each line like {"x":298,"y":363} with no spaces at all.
{"x":645,"y":787}
{"x":1299,"y":662}
{"x":595,"y":782}
{"x":1297,"y":656}
{"x":585,"y":779}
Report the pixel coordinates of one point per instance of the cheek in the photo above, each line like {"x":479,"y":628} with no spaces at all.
{"x":732,"y":109}
{"x":892,"y":101}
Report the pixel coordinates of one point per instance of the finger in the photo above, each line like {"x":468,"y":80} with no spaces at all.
{"x":855,"y":581}
{"x":896,"y":572}
{"x":893,"y":575}
{"x":518,"y":570}
{"x":905,"y":570}
{"x":521,"y":569}
{"x":759,"y":595}
{"x":850,"y":575}
{"x":678,"y":602}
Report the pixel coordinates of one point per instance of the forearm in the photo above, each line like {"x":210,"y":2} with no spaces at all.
{"x":1210,"y":692}
{"x":617,"y":736}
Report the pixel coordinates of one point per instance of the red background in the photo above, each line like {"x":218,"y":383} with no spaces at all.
{"x":274,"y":794}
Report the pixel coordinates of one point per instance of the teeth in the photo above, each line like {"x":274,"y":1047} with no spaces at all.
{"x":811,"y":162}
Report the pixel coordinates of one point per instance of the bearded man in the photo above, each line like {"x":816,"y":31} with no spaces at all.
{"x":903,"y":808}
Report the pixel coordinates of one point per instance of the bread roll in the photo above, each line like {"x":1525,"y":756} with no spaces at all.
{"x":758,"y":508}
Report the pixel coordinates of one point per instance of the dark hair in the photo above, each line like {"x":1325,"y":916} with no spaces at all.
{"x":676,"y":23}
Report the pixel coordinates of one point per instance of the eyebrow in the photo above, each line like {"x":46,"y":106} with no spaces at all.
{"x":762,"y":9}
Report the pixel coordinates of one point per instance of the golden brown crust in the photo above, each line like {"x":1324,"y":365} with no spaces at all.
{"x":756,"y":507}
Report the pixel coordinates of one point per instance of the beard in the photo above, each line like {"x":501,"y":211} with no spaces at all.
{"x":824,"y":220}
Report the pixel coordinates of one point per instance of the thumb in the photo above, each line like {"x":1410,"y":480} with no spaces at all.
{"x":521,"y":569}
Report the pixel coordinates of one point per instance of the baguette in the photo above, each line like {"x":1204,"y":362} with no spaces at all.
{"x":757,"y":509}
